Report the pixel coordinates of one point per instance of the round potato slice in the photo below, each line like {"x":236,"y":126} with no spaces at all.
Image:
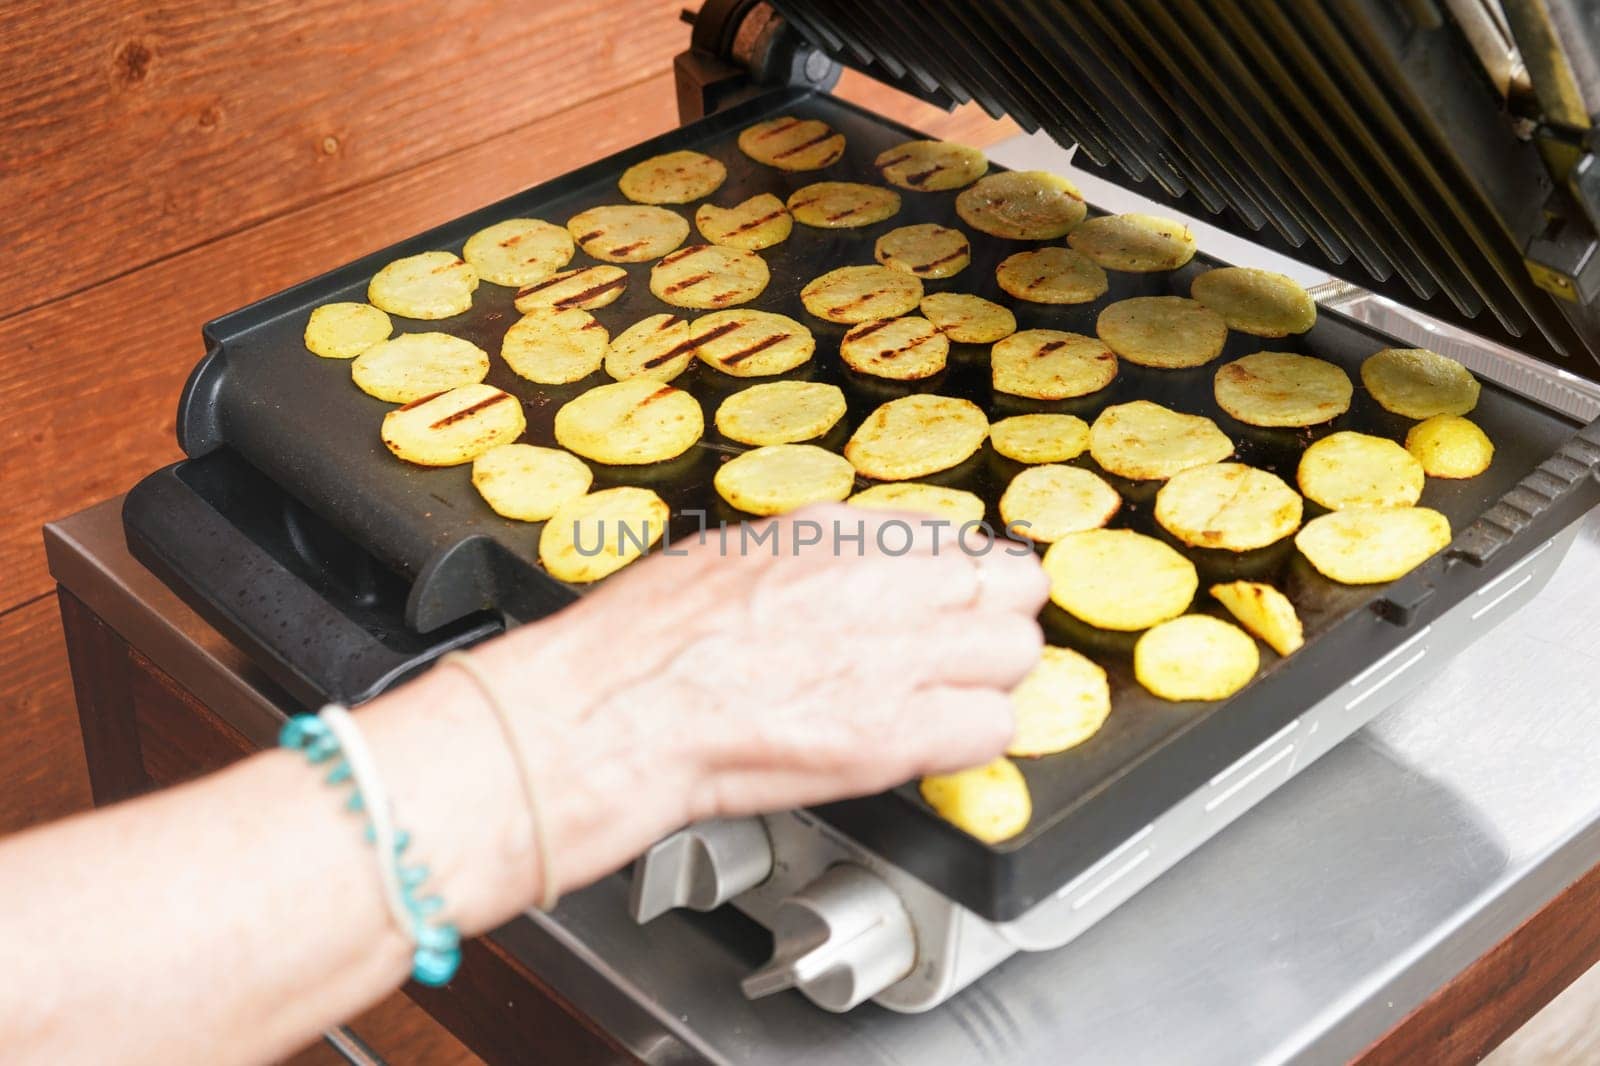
{"x":709,"y":276}
{"x":628,"y":233}
{"x":861,"y":294}
{"x":968,"y":319}
{"x":790,"y":143}
{"x":915,"y":436}
{"x":1450,"y":446}
{"x":1040,"y":438}
{"x":586,"y":288}
{"x":759,"y":222}
{"x":1045,"y":503}
{"x":1228,"y":505}
{"x":842,"y":204}
{"x":780,"y":412}
{"x":1265,"y":612}
{"x":1052,"y":276}
{"x":431,"y":285}
{"x":1060,"y":704}
{"x":903,"y":349}
{"x":414,"y":365}
{"x":1367,"y":545}
{"x":598,"y":534}
{"x":1166,"y":332}
{"x":1047,"y":364}
{"x":990,"y":802}
{"x":956,"y":506}
{"x":1147,"y":442}
{"x":927,"y":250}
{"x":518,"y":251}
{"x":1357,"y":470}
{"x":630,"y":422}
{"x":555,"y":347}
{"x":1195,"y":657}
{"x":657,"y":347}
{"x":453,"y":427}
{"x":778,"y":478}
{"x":345,"y":330}
{"x":1136,"y":244}
{"x":1256,"y":301}
{"x":674,"y":178}
{"x":1282,"y":389}
{"x":528,"y":483}
{"x":1118,"y":579}
{"x":1023,"y":205}
{"x":931,"y":166}
{"x":751,"y":344}
{"x":1417,"y":383}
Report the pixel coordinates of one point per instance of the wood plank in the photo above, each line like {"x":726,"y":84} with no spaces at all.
{"x":42,"y":771}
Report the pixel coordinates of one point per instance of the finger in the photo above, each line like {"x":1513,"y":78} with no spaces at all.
{"x":842,"y":530}
{"x":970,"y":648}
{"x":851,"y":590}
{"x":952,"y":727}
{"x":1007,"y":578}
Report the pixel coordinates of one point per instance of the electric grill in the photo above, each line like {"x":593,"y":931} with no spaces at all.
{"x":342,"y":571}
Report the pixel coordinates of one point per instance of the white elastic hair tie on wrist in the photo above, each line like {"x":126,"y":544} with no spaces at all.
{"x":375,"y":798}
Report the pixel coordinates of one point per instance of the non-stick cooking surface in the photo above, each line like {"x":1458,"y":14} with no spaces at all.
{"x":301,"y":421}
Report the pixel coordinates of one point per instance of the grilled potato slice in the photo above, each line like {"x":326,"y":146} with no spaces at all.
{"x":414,"y":365}
{"x":709,"y":276}
{"x":1045,"y":503}
{"x":967,"y":319}
{"x":931,"y":166}
{"x":657,"y":347}
{"x":751,"y":344}
{"x":1256,"y":301}
{"x":1450,"y":446}
{"x":1040,"y":438}
{"x":630,"y":422}
{"x":1228,"y":505}
{"x":790,"y":143}
{"x":780,"y":412}
{"x":990,"y":802}
{"x":1023,"y":205}
{"x":1357,"y":470}
{"x":927,"y":250}
{"x":1265,"y":612}
{"x":1052,"y":275}
{"x":861,"y":294}
{"x":757,"y":223}
{"x":1195,"y":657}
{"x":518,"y":251}
{"x":1282,"y":389}
{"x":1417,"y":383}
{"x":1118,"y":579}
{"x":628,"y":233}
{"x":1134,"y":243}
{"x":1367,"y":545}
{"x":595,"y":535}
{"x":1047,"y":364}
{"x":674,"y":178}
{"x":1147,"y":442}
{"x":902,"y":349}
{"x":586,"y":288}
{"x":453,"y":427}
{"x":528,"y":483}
{"x":915,"y":436}
{"x":555,"y":347}
{"x":778,"y":478}
{"x":842,"y":204}
{"x":345,"y":330}
{"x":429,"y":286}
{"x":955,"y":506}
{"x":1060,"y":704}
{"x":1166,"y":332}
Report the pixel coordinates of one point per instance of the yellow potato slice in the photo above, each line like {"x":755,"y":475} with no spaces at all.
{"x":778,"y":478}
{"x":1195,"y":657}
{"x":674,"y":178}
{"x":709,"y":276}
{"x":1417,"y":383}
{"x":915,"y":436}
{"x":1229,"y":506}
{"x":1282,"y":389}
{"x":927,"y":250}
{"x":842,"y":204}
{"x":1367,"y":545}
{"x":431,"y":285}
{"x":790,"y":143}
{"x":861,"y":294}
{"x":628,"y":233}
{"x":1024,"y":205}
{"x":1045,"y":503}
{"x":751,"y":344}
{"x":990,"y":802}
{"x":1060,"y":704}
{"x":1040,"y":438}
{"x":1357,"y":470}
{"x":657,"y":347}
{"x":931,"y":166}
{"x":759,"y":222}
{"x":902,"y":349}
{"x":586,"y":288}
{"x":598,"y":534}
{"x":780,"y":412}
{"x":555,"y":347}
{"x":1256,"y":301}
{"x":1047,"y":364}
{"x":1450,"y":446}
{"x":630,"y":422}
{"x":1134,"y":243}
{"x":1052,"y":276}
{"x":453,"y":427}
{"x":967,"y":319}
{"x":345,"y":330}
{"x":518,"y":251}
{"x":1166,"y":332}
{"x":528,"y":483}
{"x":1147,"y":442}
{"x":1265,"y":612}
{"x":956,"y":506}
{"x":1118,"y":579}
{"x":414,"y":365}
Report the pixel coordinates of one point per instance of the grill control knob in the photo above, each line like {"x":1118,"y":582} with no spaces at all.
{"x":842,"y":939}
{"x":701,"y":867}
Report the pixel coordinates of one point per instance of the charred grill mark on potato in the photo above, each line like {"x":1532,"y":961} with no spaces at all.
{"x":626,"y":248}
{"x":467,"y":412}
{"x":688,"y":282}
{"x":683,"y":253}
{"x":577,"y":298}
{"x":923,"y":268}
{"x":773,"y":131}
{"x":885,"y":164}
{"x":923,"y":175}
{"x":424,"y":399}
{"x":591,"y":235}
{"x":759,"y":346}
{"x":1049,"y":346}
{"x":660,"y":394}
{"x":866,"y":329}
{"x":802,"y":146}
{"x":753,"y":223}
